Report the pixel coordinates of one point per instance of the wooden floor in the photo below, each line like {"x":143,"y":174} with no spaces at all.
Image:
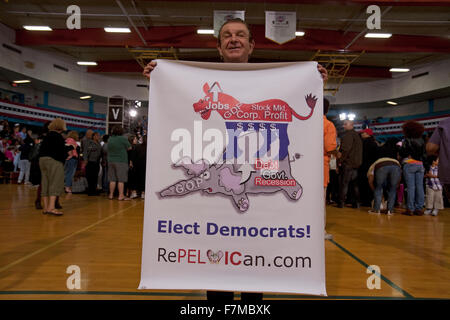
{"x":104,"y":239}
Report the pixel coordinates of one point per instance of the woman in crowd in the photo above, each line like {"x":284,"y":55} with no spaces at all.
{"x":370,"y":155}
{"x":35,"y":172}
{"x":37,"y":202}
{"x":104,"y":163}
{"x":70,"y":166}
{"x":413,"y":154}
{"x":132,"y":174}
{"x":139,"y":163}
{"x":53,"y":153}
{"x":92,"y":155}
{"x":24,"y":162}
{"x":16,"y":132}
{"x":118,"y":146}
{"x":385,"y":173}
{"x":5,"y":130}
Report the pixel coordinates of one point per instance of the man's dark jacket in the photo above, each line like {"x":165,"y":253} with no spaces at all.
{"x":351,"y":149}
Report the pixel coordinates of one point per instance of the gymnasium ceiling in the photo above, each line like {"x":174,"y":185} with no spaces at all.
{"x":421,"y":31}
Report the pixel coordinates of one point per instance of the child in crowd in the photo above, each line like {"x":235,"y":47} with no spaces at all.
{"x":434,"y":200}
{"x":16,"y":154}
{"x":9,"y":153}
{"x":79,"y":183}
{"x":7,"y":164}
{"x":4,"y":144}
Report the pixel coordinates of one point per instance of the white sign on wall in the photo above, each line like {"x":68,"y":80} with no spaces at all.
{"x":234,"y":185}
{"x":281,"y":26}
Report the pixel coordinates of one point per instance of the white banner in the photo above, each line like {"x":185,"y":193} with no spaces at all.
{"x":220,"y":16}
{"x":234,"y":186}
{"x":281,"y":26}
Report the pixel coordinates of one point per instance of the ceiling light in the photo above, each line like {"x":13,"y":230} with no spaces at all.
{"x":351,"y":116}
{"x":21,"y":81}
{"x":118,"y":30}
{"x":399,"y":70}
{"x":392,"y":102}
{"x":205,"y":31}
{"x":378,"y":35}
{"x":37,"y":28}
{"x":133,"y":113}
{"x":299,"y":33}
{"x":343,"y":116}
{"x":85,"y":97}
{"x":87,"y":63}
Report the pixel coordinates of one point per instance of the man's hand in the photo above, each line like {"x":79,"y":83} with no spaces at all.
{"x":149,"y":68}
{"x":323,"y":72}
{"x":371,"y":179}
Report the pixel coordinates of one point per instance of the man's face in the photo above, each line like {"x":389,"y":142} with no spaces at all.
{"x":348,"y":125}
{"x":234,"y":43}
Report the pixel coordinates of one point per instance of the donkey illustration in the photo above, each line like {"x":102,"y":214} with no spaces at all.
{"x":273,"y":114}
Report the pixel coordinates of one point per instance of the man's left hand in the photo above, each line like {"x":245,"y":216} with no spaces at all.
{"x":323,"y":72}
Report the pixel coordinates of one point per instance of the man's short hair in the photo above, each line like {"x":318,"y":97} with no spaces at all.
{"x":117,"y":130}
{"x":239,"y":20}
{"x":89,"y":133}
{"x":351,"y":122}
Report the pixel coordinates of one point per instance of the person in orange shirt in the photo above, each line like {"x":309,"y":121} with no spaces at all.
{"x":329,"y":146}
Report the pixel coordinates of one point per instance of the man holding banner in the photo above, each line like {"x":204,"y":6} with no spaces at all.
{"x":235,"y":45}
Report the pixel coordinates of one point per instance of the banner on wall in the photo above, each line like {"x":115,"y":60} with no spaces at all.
{"x":234,"y":184}
{"x":281,"y":26}
{"x":39,"y":115}
{"x":220,"y":16}
{"x":115,"y":115}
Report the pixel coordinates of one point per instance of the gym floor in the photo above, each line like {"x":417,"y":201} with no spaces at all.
{"x":104,"y":239}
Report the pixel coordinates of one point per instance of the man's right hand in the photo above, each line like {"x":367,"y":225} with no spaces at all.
{"x":149,"y":68}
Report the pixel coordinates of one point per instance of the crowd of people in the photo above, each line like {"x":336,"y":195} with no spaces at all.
{"x":409,"y":172}
{"x":56,"y":160}
{"x":404,"y":172}
{"x":401,"y":172}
